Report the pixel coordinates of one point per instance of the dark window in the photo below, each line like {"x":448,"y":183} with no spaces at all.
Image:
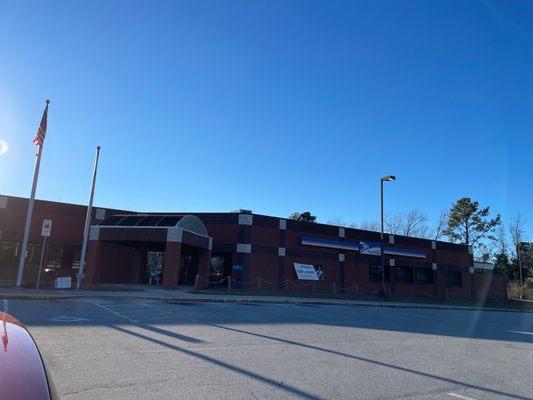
{"x":55,"y":257}
{"x":151,"y":220}
{"x":131,"y":220}
{"x":424,"y":276}
{"x":169,"y":221}
{"x":9,"y":253}
{"x":34,"y":254}
{"x":76,"y":259}
{"x":403,"y":275}
{"x":454,"y":278}
{"x":374,"y":273}
{"x":111,"y":220}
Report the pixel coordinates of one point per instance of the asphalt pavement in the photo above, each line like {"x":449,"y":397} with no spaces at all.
{"x":128,"y":348}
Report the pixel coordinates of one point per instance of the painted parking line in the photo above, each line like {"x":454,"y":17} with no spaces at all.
{"x":6,"y":306}
{"x":522,"y":332}
{"x":115,"y":312}
{"x":67,"y":318}
{"x":460,"y":396}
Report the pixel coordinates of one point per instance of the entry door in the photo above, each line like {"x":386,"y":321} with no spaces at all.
{"x":188,"y":269}
{"x":157,"y":258}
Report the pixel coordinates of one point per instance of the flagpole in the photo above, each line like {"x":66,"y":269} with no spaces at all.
{"x":29,"y":215}
{"x":88,"y":220}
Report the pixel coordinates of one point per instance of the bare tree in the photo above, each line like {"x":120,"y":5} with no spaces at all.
{"x":442,"y":224}
{"x":337,"y":221}
{"x":411,"y":224}
{"x":393,"y":223}
{"x":370,"y":225}
{"x":483,"y":252}
{"x":502,"y":246}
{"x":516,"y":229}
{"x":414,"y":224}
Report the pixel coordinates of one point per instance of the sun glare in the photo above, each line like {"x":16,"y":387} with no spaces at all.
{"x":4,"y":147}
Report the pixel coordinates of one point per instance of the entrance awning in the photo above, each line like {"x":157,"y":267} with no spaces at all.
{"x":185,"y":229}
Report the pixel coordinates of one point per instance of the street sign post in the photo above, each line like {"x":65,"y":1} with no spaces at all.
{"x":46,"y":231}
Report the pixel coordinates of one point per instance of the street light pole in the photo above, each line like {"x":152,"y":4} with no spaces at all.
{"x":388,"y":178}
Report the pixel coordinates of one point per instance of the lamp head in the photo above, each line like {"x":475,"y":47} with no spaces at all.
{"x":388,"y":178}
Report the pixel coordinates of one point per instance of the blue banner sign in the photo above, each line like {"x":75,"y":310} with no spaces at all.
{"x":369,"y":248}
{"x":330,"y":244}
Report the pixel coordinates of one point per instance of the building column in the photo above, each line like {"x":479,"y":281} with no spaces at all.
{"x":244,"y":248}
{"x":172,"y":264}
{"x":93,"y":263}
{"x":281,"y":254}
{"x":204,"y":265}
{"x":471,"y":275}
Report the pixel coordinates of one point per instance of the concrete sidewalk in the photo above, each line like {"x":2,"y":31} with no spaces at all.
{"x":185,"y":295}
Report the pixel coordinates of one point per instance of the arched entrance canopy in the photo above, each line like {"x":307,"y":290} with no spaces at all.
{"x":189,"y":223}
{"x":176,"y":234}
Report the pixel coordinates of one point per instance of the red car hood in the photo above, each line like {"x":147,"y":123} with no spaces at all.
{"x":22,"y":373}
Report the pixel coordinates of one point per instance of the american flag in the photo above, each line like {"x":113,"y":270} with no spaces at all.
{"x":38,"y":140}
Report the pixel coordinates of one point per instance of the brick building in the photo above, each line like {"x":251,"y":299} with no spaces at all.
{"x":253,"y":251}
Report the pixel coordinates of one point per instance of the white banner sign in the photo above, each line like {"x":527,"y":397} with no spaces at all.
{"x":64,"y":282}
{"x":309,"y":272}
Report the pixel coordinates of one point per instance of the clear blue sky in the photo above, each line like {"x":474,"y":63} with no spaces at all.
{"x":274,"y":106}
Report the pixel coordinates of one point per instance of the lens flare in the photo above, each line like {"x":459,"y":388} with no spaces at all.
{"x":4,"y":147}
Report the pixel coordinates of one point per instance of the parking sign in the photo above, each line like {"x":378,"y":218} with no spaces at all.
{"x":47,"y":228}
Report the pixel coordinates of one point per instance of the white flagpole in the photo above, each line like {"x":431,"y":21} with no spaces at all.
{"x":88,"y":221}
{"x":29,"y":214}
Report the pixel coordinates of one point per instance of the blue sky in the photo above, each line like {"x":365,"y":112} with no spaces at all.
{"x":274,"y":106}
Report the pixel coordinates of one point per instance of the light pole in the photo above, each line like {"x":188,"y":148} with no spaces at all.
{"x":388,"y":178}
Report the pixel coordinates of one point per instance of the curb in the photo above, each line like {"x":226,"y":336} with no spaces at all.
{"x":35,"y":297}
{"x":324,"y":303}
{"x":13,"y":296}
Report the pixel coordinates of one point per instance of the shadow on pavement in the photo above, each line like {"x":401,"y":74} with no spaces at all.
{"x":253,"y":375}
{"x":485,"y":325}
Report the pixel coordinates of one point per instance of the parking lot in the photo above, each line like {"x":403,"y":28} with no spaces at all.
{"x":134,"y":349}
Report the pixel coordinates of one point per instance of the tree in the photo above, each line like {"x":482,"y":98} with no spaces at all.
{"x":468,"y":224}
{"x":501,"y":241}
{"x":503,"y":265}
{"x":414,"y":224}
{"x":369,"y":225}
{"x":441,"y":226}
{"x":411,"y":224}
{"x":337,"y":221}
{"x":305,"y":216}
{"x":516,"y":229}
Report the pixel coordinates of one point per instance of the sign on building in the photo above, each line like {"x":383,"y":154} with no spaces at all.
{"x":64,"y":282}
{"x":373,"y":249}
{"x":309,"y":272}
{"x":46,"y":231}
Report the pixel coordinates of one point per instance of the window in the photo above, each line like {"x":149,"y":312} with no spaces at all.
{"x":403,"y":275}
{"x":217,"y":269}
{"x":374,"y":273}
{"x":55,"y":257}
{"x":9,"y":253}
{"x":34,"y":254}
{"x":454,"y":278}
{"x":424,"y":276}
{"x":76,"y":259}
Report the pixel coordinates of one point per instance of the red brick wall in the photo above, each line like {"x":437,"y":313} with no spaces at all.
{"x":490,"y":286}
